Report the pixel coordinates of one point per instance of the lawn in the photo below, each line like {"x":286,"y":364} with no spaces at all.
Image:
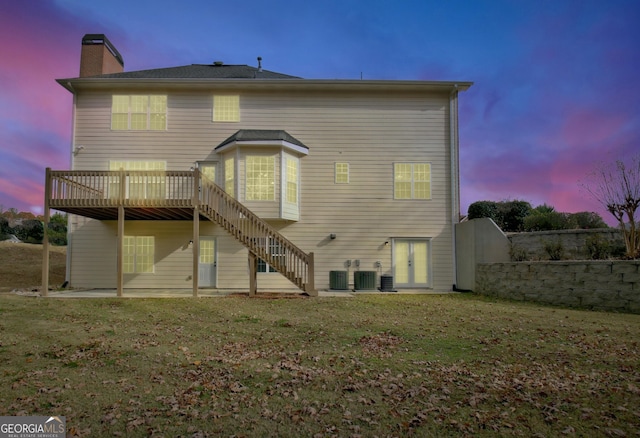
{"x":373,"y":365}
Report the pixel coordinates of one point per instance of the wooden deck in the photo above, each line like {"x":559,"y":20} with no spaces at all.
{"x":146,"y":195}
{"x":174,"y":195}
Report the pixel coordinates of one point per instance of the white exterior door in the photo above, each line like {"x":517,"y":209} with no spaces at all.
{"x":411,"y":263}
{"x":207,"y":262}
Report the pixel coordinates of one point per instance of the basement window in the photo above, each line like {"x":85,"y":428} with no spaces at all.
{"x":139,"y":253}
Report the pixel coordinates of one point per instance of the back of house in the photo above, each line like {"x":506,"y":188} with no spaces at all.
{"x":360,"y":174}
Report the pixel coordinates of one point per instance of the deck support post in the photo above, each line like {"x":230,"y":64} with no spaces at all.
{"x":196,"y":250}
{"x":120,"y":257}
{"x":310,"y":287}
{"x":45,"y":235}
{"x":253,"y":274}
{"x":195,"y":246}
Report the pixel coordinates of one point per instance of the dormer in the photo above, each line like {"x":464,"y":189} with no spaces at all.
{"x":261,"y":168}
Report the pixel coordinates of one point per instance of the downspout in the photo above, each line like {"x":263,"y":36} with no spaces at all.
{"x":67,"y":275}
{"x":453,"y":152}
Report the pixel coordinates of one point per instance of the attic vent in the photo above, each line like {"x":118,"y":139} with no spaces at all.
{"x":218,"y":63}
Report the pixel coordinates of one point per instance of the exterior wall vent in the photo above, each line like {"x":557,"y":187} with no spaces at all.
{"x":364,"y":280}
{"x":338,"y":280}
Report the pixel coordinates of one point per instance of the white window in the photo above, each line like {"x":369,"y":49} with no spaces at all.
{"x":291,"y":182}
{"x":226,"y":108}
{"x":139,"y":113}
{"x":412,"y":181}
{"x":342,"y":173}
{"x":229,"y":176}
{"x":260,"y":178}
{"x":148,"y":185}
{"x":138,"y":256}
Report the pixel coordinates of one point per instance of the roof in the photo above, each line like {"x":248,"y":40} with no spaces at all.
{"x":262,"y":136}
{"x":201,"y":71}
{"x":236,"y":77}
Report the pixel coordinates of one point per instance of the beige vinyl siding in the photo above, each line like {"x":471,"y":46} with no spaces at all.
{"x":370,"y":132}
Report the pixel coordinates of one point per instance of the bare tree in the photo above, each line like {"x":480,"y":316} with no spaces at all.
{"x":617,"y":187}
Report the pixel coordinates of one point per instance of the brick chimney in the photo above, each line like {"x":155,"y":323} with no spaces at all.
{"x":99,"y":56}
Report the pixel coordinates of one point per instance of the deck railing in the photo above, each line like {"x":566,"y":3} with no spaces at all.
{"x":177,"y":189}
{"x":128,"y":188}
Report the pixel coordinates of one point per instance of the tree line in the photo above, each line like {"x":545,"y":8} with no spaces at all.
{"x":29,"y":228}
{"x":519,"y":216}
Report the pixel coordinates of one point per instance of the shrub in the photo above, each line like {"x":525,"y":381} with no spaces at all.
{"x":482,"y":209}
{"x":5,"y":229}
{"x":30,"y":231}
{"x":512,"y":215}
{"x":597,"y":248}
{"x":555,"y":250}
{"x":518,"y":254}
{"x":588,"y":220}
{"x":547,"y":221}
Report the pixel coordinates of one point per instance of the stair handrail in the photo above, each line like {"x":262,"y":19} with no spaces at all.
{"x":256,"y":234}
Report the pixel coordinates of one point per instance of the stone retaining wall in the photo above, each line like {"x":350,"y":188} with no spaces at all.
{"x":601,"y":285}
{"x":531,"y":245}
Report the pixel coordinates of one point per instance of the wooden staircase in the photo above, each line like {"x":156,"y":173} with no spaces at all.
{"x":260,"y":238}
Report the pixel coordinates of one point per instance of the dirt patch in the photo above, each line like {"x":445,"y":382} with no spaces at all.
{"x":271,"y":295}
{"x":21,"y":266}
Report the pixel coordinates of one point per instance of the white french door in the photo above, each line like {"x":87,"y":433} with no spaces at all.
{"x":411,"y":263}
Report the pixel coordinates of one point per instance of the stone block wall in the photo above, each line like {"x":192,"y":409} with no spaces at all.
{"x":574,"y":242}
{"x":600,"y":285}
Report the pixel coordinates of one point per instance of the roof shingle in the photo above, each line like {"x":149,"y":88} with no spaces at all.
{"x":262,"y":135}
{"x":202,"y":71}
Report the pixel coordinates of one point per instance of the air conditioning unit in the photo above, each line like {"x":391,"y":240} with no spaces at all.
{"x":364,"y":280}
{"x":338,"y":280}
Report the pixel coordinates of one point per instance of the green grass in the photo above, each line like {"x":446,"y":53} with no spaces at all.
{"x":401,"y":365}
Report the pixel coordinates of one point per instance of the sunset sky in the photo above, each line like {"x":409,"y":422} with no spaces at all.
{"x":556,"y":92}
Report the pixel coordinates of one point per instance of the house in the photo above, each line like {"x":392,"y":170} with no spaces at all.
{"x":234,"y":177}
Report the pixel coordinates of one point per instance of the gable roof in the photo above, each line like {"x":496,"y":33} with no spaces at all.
{"x":201,"y":71}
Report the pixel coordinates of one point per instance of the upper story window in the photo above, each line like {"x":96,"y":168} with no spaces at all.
{"x":263,"y":168}
{"x":291,"y":179}
{"x":412,"y":181}
{"x":138,"y":112}
{"x":342,"y":173}
{"x":229,"y":176}
{"x":226,"y":108}
{"x":260,"y":178}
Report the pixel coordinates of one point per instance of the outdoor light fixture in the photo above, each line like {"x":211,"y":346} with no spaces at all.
{"x":77,"y":149}
{"x":332,"y":236}
{"x":386,"y":243}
